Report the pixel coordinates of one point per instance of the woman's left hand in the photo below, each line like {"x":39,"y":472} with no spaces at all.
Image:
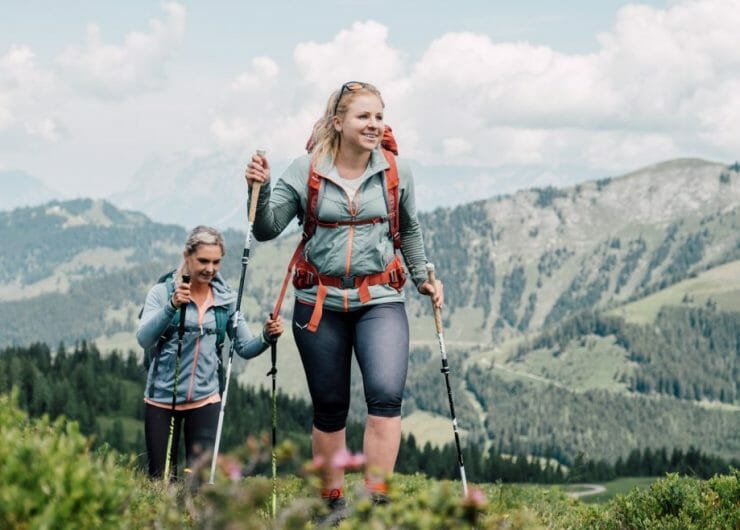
{"x":274,"y":327}
{"x":436,"y":292}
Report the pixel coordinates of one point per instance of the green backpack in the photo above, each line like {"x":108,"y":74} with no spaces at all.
{"x":151,"y":354}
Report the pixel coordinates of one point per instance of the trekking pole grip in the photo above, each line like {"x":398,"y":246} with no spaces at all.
{"x":181,"y":328}
{"x":437,"y":311}
{"x":255,"y":193}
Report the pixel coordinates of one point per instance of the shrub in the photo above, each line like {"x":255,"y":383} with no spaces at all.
{"x":50,"y":479}
{"x":675,"y":503}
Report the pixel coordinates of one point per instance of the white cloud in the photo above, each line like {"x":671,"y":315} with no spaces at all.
{"x":136,"y":66}
{"x":259,"y":111}
{"x":46,"y":128}
{"x":662,"y":81}
{"x":231,"y":133}
{"x":27,"y":99}
{"x":263,"y":75}
{"x":360,"y":53}
{"x":457,"y":146}
{"x":18,"y":70}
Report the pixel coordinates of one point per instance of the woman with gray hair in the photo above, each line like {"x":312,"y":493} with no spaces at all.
{"x":196,"y":396}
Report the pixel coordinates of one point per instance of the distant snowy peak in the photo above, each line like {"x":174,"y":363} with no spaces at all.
{"x":188,"y":190}
{"x":22,"y":189}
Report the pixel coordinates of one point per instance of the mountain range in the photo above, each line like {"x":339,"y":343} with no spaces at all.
{"x":590,"y":319}
{"x":168,"y":187}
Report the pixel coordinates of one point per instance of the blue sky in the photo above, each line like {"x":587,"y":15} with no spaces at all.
{"x":511,"y":95}
{"x":239,"y":25}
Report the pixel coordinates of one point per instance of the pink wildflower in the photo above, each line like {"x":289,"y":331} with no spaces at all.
{"x":231,"y":467}
{"x":314,"y":466}
{"x":348,"y":461}
{"x":235,"y":472}
{"x":476,"y":498}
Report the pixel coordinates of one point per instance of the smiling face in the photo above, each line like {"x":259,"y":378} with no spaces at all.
{"x":361,"y":126}
{"x":204,"y":263}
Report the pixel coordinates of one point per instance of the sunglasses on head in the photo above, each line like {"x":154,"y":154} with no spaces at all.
{"x":349,"y":86}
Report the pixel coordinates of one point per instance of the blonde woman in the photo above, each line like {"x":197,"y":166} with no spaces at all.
{"x":348,"y":278}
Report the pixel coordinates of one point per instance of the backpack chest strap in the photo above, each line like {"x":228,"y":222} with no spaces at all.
{"x":351,"y":222}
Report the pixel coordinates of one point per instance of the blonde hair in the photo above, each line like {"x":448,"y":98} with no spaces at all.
{"x":325,"y":139}
{"x":200,"y":235}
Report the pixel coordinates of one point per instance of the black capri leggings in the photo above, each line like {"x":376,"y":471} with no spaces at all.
{"x":200,"y":434}
{"x":379,"y":335}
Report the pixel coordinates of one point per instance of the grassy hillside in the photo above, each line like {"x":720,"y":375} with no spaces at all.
{"x":539,"y":256}
{"x":718,"y":287}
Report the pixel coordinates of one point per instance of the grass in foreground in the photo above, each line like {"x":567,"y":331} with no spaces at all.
{"x":51,"y":479}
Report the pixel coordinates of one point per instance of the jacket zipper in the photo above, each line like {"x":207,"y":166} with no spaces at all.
{"x":352,"y":203}
{"x":201,"y":316}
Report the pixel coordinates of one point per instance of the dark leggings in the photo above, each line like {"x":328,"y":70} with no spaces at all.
{"x":379,"y":335}
{"x":200,"y":434}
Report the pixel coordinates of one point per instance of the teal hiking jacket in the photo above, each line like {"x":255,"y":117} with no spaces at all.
{"x":199,"y":359}
{"x":348,"y":250}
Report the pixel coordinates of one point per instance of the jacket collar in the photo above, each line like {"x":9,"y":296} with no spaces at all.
{"x":376,"y":164}
{"x":222,"y":293}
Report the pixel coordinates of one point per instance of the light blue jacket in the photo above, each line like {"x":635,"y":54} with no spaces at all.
{"x":199,"y":359}
{"x":356,"y":250}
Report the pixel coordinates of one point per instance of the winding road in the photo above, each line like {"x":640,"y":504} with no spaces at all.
{"x":586,"y":490}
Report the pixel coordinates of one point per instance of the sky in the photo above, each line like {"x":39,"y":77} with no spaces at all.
{"x":506,"y":95}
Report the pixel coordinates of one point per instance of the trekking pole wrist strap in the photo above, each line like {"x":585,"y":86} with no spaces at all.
{"x":265,"y":338}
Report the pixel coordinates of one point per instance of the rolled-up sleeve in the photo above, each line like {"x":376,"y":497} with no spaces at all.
{"x":412,"y":240}
{"x":276,"y":207}
{"x":246,"y":344}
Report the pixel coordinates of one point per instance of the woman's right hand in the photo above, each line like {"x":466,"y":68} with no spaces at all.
{"x":258,"y":170}
{"x":181,"y":295}
{"x":274,"y":327}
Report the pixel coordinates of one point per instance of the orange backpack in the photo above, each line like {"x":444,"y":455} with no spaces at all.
{"x":306,"y":275}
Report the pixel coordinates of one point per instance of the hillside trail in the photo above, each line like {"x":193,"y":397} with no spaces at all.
{"x":586,"y":491}
{"x":530,"y":376}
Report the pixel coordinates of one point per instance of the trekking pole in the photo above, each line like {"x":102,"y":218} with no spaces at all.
{"x":245,"y":261}
{"x":171,"y":451}
{"x":273,"y":373}
{"x":446,"y":371}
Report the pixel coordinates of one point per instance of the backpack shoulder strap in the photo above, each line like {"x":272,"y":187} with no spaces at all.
{"x":222,"y":322}
{"x":291,"y":264}
{"x":392,"y":200}
{"x":310,"y":218}
{"x":168,"y":276}
{"x":221,"y":314}
{"x":169,"y":281}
